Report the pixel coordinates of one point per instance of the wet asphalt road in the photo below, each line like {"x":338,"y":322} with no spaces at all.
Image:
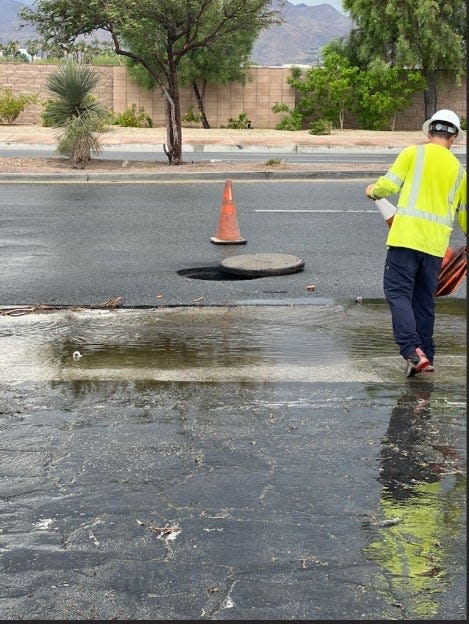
{"x":84,"y":243}
{"x":232,"y":501}
{"x":215,"y":462}
{"x":261,"y":463}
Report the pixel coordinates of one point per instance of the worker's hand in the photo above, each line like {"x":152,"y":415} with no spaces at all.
{"x":369,"y":190}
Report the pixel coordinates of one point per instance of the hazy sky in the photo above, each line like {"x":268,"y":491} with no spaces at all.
{"x":337,"y":4}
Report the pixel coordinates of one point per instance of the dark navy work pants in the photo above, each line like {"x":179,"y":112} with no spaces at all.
{"x":410,"y":281}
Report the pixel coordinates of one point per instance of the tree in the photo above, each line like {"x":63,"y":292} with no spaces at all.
{"x":154,"y":33}
{"x":383,"y":91}
{"x":329,"y":89}
{"x":338,"y":86}
{"x":32,"y":48}
{"x":12,"y":50}
{"x":76,"y":111}
{"x":223,"y":62}
{"x":428,"y":35}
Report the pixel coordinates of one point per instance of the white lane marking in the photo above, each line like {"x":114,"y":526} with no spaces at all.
{"x":319,"y":210}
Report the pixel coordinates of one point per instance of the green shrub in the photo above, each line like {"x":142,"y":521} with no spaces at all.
{"x":191,"y":116}
{"x":292,"y":121}
{"x":108,"y":59}
{"x":463,"y":123}
{"x":76,"y":111}
{"x":20,"y":58}
{"x":130,"y":118}
{"x":274,"y":162}
{"x":321,"y":126}
{"x":78,"y":138}
{"x":49,"y":120}
{"x":47,"y":114}
{"x":12,"y":106}
{"x":241,"y":123}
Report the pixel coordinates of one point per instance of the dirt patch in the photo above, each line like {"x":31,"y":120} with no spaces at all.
{"x":62,"y":166}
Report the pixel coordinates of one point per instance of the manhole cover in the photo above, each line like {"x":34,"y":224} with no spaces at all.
{"x":262,"y":264}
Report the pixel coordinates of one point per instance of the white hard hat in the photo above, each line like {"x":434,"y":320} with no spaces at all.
{"x":446,"y":117}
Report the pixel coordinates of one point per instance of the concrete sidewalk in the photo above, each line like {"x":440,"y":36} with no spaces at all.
{"x":118,"y":136}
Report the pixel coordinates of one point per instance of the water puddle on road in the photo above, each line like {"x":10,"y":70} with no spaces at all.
{"x":339,"y":488}
{"x":335,"y":342}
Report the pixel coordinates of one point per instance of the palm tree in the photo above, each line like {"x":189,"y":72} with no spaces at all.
{"x":12,"y":49}
{"x":77,"y":112}
{"x":32,"y":48}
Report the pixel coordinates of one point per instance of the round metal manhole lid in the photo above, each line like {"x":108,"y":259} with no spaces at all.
{"x":262,"y":264}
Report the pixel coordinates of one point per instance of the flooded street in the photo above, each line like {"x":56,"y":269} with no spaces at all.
{"x":231,"y":463}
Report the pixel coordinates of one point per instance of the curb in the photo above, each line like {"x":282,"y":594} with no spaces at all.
{"x":292,"y":148}
{"x":121,"y":178}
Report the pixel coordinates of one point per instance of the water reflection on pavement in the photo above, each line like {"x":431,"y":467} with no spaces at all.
{"x":230,"y":463}
{"x":422,"y":471}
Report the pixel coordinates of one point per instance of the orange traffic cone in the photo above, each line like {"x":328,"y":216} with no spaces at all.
{"x":449,"y":255}
{"x":452,"y":272}
{"x":228,"y":230}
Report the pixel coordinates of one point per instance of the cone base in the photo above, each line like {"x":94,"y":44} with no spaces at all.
{"x":221,"y":241}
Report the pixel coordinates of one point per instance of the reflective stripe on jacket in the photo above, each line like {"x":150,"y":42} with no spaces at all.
{"x":433,"y":189}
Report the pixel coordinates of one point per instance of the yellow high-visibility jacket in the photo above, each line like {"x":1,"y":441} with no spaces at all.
{"x":433,"y":189}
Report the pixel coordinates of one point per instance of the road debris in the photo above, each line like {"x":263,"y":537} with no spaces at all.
{"x":110,"y":304}
{"x":382,"y":524}
{"x":312,"y":559}
{"x":168,"y":532}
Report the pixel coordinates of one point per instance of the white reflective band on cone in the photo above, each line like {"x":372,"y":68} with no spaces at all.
{"x":386,"y":209}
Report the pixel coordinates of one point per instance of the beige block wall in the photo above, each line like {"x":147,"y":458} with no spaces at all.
{"x":221,"y":101}
{"x":32,"y":78}
{"x":450,"y":96}
{"x":264,"y":87}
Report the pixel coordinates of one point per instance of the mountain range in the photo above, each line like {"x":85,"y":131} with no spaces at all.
{"x":10,"y":24}
{"x":297,"y":41}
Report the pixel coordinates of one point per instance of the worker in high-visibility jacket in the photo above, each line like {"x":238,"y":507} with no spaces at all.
{"x":432,"y":186}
